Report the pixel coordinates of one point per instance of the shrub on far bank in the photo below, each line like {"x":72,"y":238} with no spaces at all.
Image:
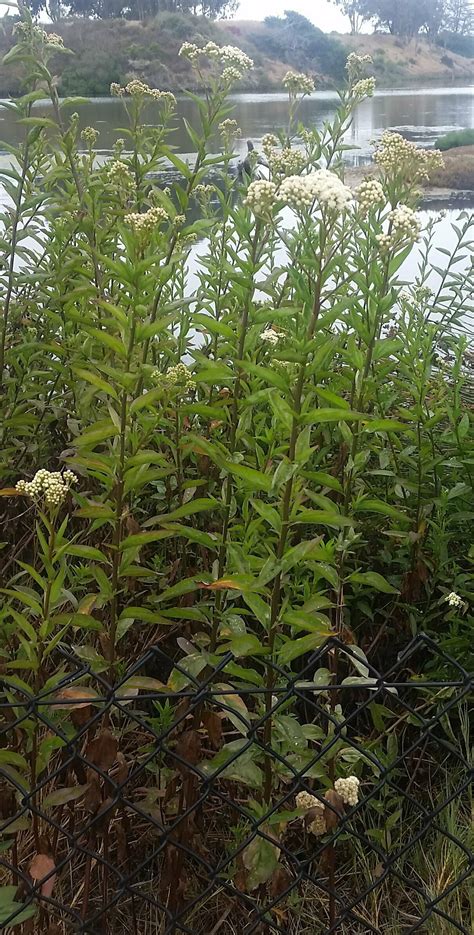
{"x":455,"y":139}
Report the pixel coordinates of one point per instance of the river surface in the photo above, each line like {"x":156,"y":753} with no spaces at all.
{"x":419,"y":114}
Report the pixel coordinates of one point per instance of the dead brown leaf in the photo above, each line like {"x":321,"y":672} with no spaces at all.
{"x":40,"y":867}
{"x":213,"y":724}
{"x":102,"y":751}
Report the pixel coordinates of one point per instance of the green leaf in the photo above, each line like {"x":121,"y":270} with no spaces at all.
{"x":244,"y":644}
{"x":332,"y":415}
{"x":252,"y":478}
{"x":295,"y":648}
{"x":323,"y":518}
{"x":188,"y":509}
{"x":94,"y":436}
{"x":385,"y":425}
{"x":260,"y":859}
{"x":373,"y":580}
{"x":85,"y":551}
{"x":63,"y":796}
{"x":379,"y":506}
{"x":95,"y":380}
{"x":144,"y":538}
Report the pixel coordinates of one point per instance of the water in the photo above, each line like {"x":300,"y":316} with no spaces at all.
{"x":419,"y":114}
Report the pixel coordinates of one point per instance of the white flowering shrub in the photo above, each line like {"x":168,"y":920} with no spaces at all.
{"x":236,"y":421}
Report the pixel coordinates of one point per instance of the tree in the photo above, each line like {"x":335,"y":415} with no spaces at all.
{"x":354,"y":10}
{"x":401,"y":17}
{"x":459,"y":17}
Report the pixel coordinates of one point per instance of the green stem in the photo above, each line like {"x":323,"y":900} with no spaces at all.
{"x":285,"y":520}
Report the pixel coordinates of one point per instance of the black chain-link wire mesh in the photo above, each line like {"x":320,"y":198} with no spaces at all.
{"x":140,"y":809}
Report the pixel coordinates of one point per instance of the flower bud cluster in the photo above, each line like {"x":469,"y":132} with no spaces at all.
{"x":36,"y":34}
{"x":396,"y":154}
{"x":178,"y":376}
{"x":261,"y":196}
{"x":50,"y":486}
{"x":270,"y":336}
{"x":285,"y":161}
{"x":297,"y":83}
{"x":369,"y":194}
{"x":138,"y":88}
{"x":235,"y":62}
{"x":348,"y":789}
{"x":269,"y":142}
{"x":90,"y":135}
{"x":356,"y":65}
{"x":119,"y":173}
{"x":404,"y":227}
{"x":52,"y":38}
{"x":365,"y":87}
{"x":146,"y":222}
{"x":229,"y":129}
{"x":454,"y":600}
{"x":323,"y":186}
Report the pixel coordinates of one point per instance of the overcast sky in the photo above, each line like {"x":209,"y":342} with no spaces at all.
{"x":321,"y":12}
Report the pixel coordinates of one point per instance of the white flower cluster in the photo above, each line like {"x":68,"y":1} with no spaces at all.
{"x":233,"y":56}
{"x":229,"y":128}
{"x":285,"y":161}
{"x":90,"y":135}
{"x":177,"y":376}
{"x":203,"y":192}
{"x":119,"y":172}
{"x":270,"y":336}
{"x":396,"y":154}
{"x":405,"y":222}
{"x":52,"y":38}
{"x":261,"y":196}
{"x":146,"y":222}
{"x":306,"y":800}
{"x":365,"y":87}
{"x":356,"y":64}
{"x":235,"y":62}
{"x":404,"y":226}
{"x":32,"y":33}
{"x":269,"y":142}
{"x":297,"y":83}
{"x":369,"y":194}
{"x":323,"y":186}
{"x":454,"y":600}
{"x":52,"y":487}
{"x":348,"y":789}
{"x":318,"y":822}
{"x":138,"y":88}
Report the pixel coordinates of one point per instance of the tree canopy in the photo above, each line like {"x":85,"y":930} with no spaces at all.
{"x":409,"y":17}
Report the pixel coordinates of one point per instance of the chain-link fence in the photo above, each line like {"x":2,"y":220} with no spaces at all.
{"x":146,"y":809}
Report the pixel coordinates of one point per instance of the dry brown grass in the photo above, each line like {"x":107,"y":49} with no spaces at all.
{"x":458,"y":171}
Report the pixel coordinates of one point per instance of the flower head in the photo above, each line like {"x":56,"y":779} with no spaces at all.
{"x":395,"y":154}
{"x":348,"y":789}
{"x":261,"y":196}
{"x":297,"y":83}
{"x":50,"y":486}
{"x":322,"y":186}
{"x":145,"y":223}
{"x":369,"y":194}
{"x":306,"y":800}
{"x":90,"y":135}
{"x":286,"y":161}
{"x":270,"y":336}
{"x":177,"y":377}
{"x":356,"y":64}
{"x":119,"y":173}
{"x":454,"y":600}
{"x":365,"y":87}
